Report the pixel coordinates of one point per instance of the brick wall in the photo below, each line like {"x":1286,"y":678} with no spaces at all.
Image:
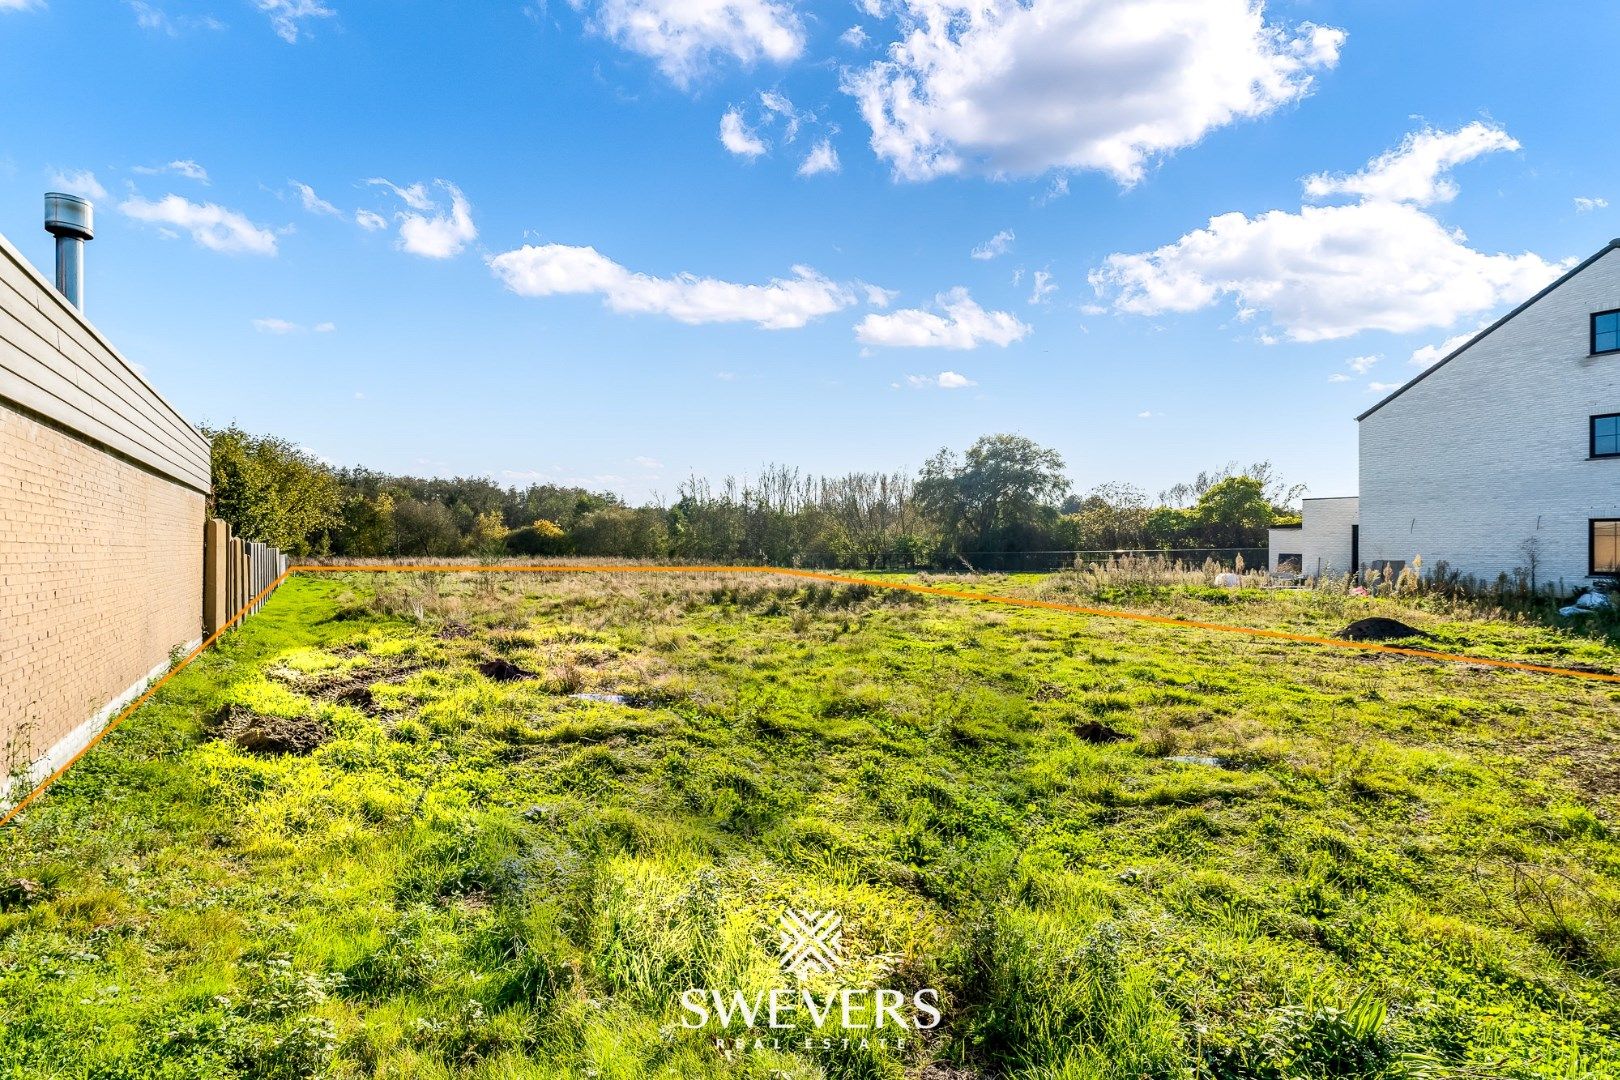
{"x":100,"y":577}
{"x":102,"y":491}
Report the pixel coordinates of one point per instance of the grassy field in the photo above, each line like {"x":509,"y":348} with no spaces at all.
{"x":377,"y":833}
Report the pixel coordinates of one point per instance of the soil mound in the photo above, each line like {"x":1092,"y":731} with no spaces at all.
{"x":1379,"y":629}
{"x":503,"y":671}
{"x":1093,"y":732}
{"x":259,"y":734}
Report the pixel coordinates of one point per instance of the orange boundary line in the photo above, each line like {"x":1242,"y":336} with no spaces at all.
{"x":812,"y":575}
{"x":39,"y":789}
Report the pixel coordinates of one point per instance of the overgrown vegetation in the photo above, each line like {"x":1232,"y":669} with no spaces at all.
{"x":1005,"y":495}
{"x":1117,"y":850}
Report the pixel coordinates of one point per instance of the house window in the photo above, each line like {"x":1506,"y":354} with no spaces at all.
{"x":1606,"y":435}
{"x":1289,"y":564}
{"x":1606,"y":332}
{"x":1605,"y":546}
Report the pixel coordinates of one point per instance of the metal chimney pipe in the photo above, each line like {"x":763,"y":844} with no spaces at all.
{"x":70,"y":219}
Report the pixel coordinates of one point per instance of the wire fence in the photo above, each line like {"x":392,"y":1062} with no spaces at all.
{"x":1003,"y":562}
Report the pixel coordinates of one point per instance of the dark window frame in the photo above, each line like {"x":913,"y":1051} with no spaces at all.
{"x":1591,"y":434}
{"x":1592,"y":332}
{"x":1591,"y":548}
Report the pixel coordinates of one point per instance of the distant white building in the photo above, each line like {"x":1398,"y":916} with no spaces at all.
{"x":1325,"y":542}
{"x":1505,"y":455}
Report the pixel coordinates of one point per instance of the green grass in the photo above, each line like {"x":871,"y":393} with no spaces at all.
{"x":1396,"y":868}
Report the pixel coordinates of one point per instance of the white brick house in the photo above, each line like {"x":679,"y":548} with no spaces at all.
{"x":1506,"y":454}
{"x":1324,"y":544}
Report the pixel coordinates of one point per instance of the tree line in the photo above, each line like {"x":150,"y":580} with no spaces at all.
{"x":1003,"y":495}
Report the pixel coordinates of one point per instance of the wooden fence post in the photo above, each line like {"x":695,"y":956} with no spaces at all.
{"x":234,"y":557}
{"x":216,"y":542}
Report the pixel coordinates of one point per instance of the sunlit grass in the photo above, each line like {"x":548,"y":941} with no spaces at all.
{"x":1295,"y":862}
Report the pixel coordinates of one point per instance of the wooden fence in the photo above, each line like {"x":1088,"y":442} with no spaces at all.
{"x":235,"y":572}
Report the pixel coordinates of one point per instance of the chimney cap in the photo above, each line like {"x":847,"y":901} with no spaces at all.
{"x":69,"y":215}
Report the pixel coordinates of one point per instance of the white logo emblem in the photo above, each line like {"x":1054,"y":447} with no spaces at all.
{"x":811,"y":942}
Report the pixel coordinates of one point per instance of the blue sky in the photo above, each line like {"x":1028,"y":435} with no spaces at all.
{"x":617,"y":242}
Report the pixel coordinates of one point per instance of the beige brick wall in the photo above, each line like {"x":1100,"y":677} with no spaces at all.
{"x":100,"y":576}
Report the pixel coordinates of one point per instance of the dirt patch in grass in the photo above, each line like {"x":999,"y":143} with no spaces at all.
{"x":503,"y":670}
{"x":1593,"y":766}
{"x":259,"y":734}
{"x":1379,"y":628}
{"x":353,"y":687}
{"x":1098,"y":734}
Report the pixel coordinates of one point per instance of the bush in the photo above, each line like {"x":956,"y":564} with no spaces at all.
{"x":542,"y":538}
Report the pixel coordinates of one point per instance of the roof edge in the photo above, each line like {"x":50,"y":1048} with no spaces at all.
{"x":1612,"y":245}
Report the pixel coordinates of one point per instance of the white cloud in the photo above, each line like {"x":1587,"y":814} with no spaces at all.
{"x":822,"y":158}
{"x":855,"y":37}
{"x":151,"y":17}
{"x":80,"y":182}
{"x":287,"y":17}
{"x":416,"y":196}
{"x":1417,"y":170}
{"x":1022,"y":86}
{"x":283,"y":326}
{"x":186,"y":168}
{"x":1057,"y":189}
{"x":964,"y":325}
{"x":1362,"y":364}
{"x":781,"y":303}
{"x":649,"y":463}
{"x":20,"y":5}
{"x":945,"y":380}
{"x":1338,"y":376}
{"x":313,"y":202}
{"x":1327,"y":272}
{"x":776,"y":102}
{"x":1585,"y":205}
{"x":1146,"y":414}
{"x":737,"y":137}
{"x":425,"y":229}
{"x":211,"y":225}
{"x":1043,"y":287}
{"x":877,"y":295}
{"x":1382,"y":387}
{"x":1432,"y":354}
{"x":998,"y":244}
{"x":684,"y":37}
{"x":370,"y":221}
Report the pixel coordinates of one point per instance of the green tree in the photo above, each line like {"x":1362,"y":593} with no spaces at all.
{"x":367,"y":527}
{"x":630,"y":534}
{"x":1109,"y":518}
{"x":425,"y":528}
{"x":488,"y":535}
{"x":1234,"y":513}
{"x":271,"y":491}
{"x":1001,"y":496}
